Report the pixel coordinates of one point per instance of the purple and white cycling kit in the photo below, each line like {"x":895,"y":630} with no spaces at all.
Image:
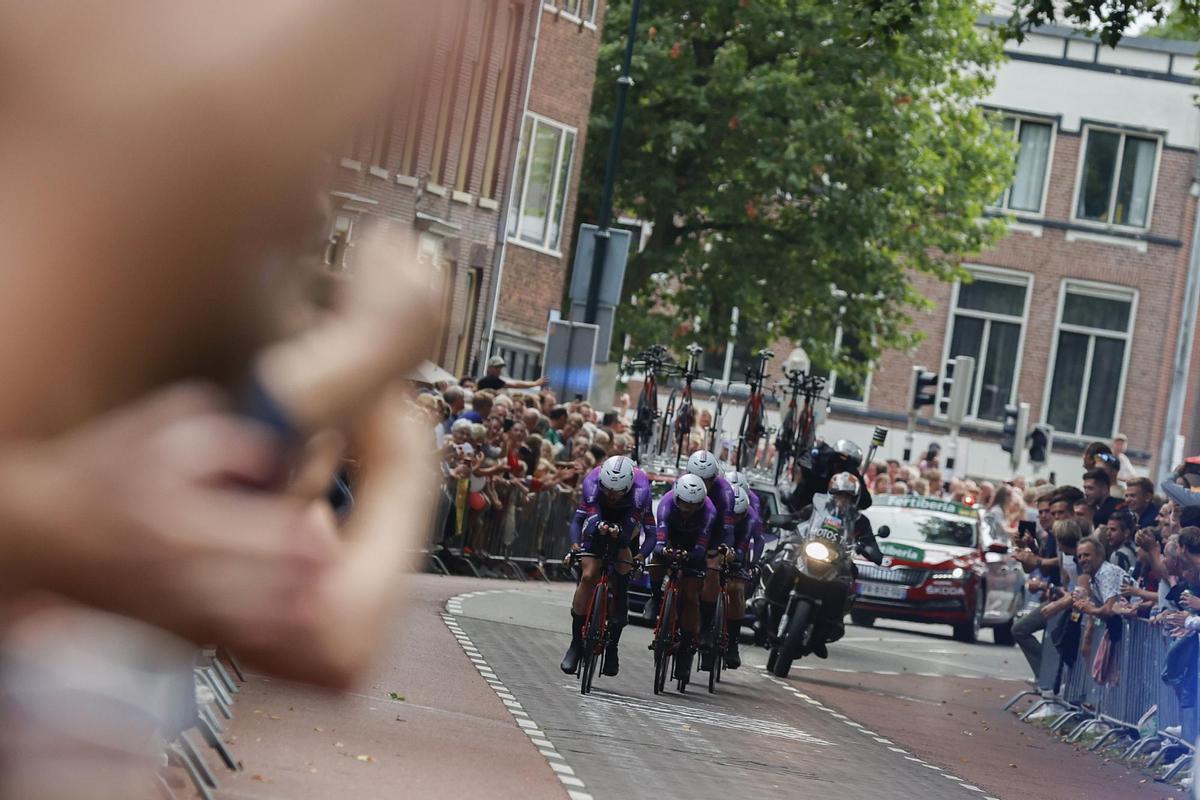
{"x":748,"y":539}
{"x":720,"y":493}
{"x":683,"y":531}
{"x":633,"y":509}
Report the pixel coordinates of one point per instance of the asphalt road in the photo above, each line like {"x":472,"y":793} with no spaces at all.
{"x":756,"y":737}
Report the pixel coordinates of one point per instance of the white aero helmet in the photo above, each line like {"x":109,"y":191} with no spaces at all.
{"x":848,"y":450}
{"x":741,"y":500}
{"x":843,"y":482}
{"x":703,"y":464}
{"x":690,"y":489}
{"x":736,"y":479}
{"x":617,"y":474}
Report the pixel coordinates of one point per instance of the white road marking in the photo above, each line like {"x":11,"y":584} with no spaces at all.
{"x":567,"y":780}
{"x":562,"y":769}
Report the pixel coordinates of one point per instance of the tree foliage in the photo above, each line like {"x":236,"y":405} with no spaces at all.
{"x":1109,"y":20}
{"x":1181,"y":22}
{"x":800,"y":160}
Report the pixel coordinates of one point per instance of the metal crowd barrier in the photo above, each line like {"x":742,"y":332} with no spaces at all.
{"x":1136,"y":708}
{"x":520,"y":540}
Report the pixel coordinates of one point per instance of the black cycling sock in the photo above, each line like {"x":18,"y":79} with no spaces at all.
{"x":657,"y":590}
{"x":733,"y":627}
{"x":614,"y":634}
{"x":577,"y":621}
{"x":708,"y":610}
{"x":619,"y":585}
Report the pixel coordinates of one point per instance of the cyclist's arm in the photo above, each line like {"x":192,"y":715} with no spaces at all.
{"x":579,"y":520}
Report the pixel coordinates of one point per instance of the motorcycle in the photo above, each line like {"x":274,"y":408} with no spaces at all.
{"x":808,"y":581}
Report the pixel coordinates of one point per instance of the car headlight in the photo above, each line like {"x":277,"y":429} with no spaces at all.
{"x":956,"y":574}
{"x":818,"y":551}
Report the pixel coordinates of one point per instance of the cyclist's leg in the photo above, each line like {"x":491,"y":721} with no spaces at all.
{"x":656,"y":573}
{"x":735,"y":609}
{"x":689,"y":621}
{"x":589,"y":575}
{"x":619,"y":586}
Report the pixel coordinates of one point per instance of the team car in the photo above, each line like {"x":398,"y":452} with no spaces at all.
{"x":943,"y":563}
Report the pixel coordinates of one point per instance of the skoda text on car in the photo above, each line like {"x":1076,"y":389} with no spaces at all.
{"x":941,"y":564}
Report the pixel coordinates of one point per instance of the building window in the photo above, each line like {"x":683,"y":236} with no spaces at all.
{"x":1033,"y":158}
{"x":543,"y":175}
{"x":1090,"y":357}
{"x":1117,"y":181}
{"x":521,"y":364}
{"x":571,"y":7}
{"x":987,"y":323}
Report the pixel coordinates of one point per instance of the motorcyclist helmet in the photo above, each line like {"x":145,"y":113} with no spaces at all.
{"x":850,"y":452}
{"x":741,"y":500}
{"x":617,"y":474}
{"x":843,"y":483}
{"x":690,"y":490}
{"x":703,"y":464}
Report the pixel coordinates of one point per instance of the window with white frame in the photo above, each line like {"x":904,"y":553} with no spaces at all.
{"x":542,"y":179}
{"x":572,"y":7}
{"x":1028,"y":188}
{"x":1116,"y":182}
{"x":1090,"y":358}
{"x":987,"y":323}
{"x":521,"y":364}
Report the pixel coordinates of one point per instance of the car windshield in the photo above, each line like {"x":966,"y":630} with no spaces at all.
{"x":924,"y":526}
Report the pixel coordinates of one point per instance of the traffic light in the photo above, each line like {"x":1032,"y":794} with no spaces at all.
{"x":1041,"y":442}
{"x":1008,"y":439}
{"x":956,"y":388}
{"x":921,"y":389}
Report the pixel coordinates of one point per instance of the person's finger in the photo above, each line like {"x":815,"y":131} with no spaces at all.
{"x":322,"y":454}
{"x":215,"y":448}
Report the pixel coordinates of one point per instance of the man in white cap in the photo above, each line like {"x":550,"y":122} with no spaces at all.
{"x":1126,"y":472}
{"x":495,"y":381}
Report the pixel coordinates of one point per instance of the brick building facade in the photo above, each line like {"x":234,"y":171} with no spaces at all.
{"x":447,"y":163}
{"x":539,"y":246}
{"x":1078,"y":309}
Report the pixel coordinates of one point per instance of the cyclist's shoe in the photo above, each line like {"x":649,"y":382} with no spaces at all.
{"x":819,"y":649}
{"x":570,"y":662}
{"x":683,"y":659}
{"x":706,"y":658}
{"x":733,"y":659}
{"x":612,"y":664}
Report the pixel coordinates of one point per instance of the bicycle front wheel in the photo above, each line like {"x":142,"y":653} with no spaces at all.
{"x":593,"y":637}
{"x":663,"y":636}
{"x":718,"y":644}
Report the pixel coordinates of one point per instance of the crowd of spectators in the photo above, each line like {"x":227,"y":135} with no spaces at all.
{"x":506,"y":445}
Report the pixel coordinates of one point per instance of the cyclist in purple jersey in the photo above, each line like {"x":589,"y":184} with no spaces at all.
{"x":747,"y":548}
{"x":737,"y":479}
{"x":607,"y":521}
{"x":703,"y":464}
{"x":686,"y":520}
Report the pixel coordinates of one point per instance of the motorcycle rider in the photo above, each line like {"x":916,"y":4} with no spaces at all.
{"x":686,"y":519}
{"x":703,"y":465}
{"x":615,"y":504}
{"x":845,"y":490}
{"x":746,"y":549}
{"x":829,"y":461}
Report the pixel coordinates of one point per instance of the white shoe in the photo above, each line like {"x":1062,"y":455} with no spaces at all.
{"x":1173,"y":730}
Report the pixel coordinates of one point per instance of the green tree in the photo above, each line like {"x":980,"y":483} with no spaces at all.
{"x":1182,"y":22}
{"x":800,"y":160}
{"x":1110,"y":20}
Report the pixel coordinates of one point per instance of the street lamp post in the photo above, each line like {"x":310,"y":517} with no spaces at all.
{"x":600,"y":252}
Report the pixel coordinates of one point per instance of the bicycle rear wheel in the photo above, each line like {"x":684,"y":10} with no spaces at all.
{"x":683,"y":428}
{"x":593,"y":637}
{"x":664,"y":634}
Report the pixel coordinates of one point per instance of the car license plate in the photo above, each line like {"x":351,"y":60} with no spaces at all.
{"x":885,"y":590}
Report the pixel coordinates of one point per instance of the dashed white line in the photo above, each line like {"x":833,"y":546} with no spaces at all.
{"x":537,"y":736}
